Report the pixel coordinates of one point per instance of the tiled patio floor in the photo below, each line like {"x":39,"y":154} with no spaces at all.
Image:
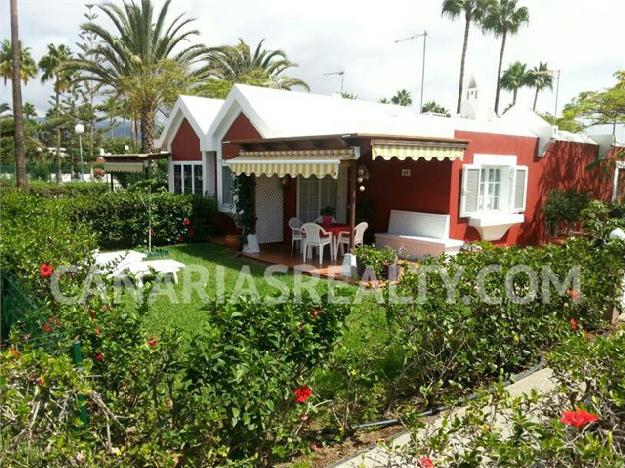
{"x":280,"y":254}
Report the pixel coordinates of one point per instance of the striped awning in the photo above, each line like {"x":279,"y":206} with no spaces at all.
{"x":123,"y":166}
{"x":402,"y":150}
{"x":305,"y":163}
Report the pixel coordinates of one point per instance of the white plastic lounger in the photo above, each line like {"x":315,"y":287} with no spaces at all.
{"x":164,"y":267}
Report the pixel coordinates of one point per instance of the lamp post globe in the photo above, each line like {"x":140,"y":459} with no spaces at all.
{"x":80,"y":129}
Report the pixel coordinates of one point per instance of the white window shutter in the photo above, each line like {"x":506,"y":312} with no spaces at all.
{"x":469,"y":196}
{"x":520,"y":188}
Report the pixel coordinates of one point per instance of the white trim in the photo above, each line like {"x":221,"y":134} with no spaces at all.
{"x":513,"y":191}
{"x":494,"y":160}
{"x":188,"y":163}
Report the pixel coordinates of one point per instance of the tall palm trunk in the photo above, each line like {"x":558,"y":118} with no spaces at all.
{"x":59,"y":172}
{"x":514,"y":95}
{"x":147,"y":130}
{"x":503,"y":46}
{"x":465,"y":45}
{"x":536,"y":98}
{"x":18,"y":117}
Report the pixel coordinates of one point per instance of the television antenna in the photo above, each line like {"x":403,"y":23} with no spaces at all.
{"x":424,"y":35}
{"x":337,"y":73}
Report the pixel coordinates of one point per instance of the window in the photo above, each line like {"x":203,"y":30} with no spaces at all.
{"x":490,"y":189}
{"x":227,"y":179}
{"x":315,"y":194}
{"x":188,"y":178}
{"x":487,"y":188}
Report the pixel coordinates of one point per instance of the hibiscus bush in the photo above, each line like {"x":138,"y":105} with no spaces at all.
{"x":495,"y":324}
{"x":580,"y":423}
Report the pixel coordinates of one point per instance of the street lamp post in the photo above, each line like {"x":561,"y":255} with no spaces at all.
{"x":80,"y":129}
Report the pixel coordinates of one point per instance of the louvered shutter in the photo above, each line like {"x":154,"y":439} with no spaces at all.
{"x":520,"y":188}
{"x":469,"y":197}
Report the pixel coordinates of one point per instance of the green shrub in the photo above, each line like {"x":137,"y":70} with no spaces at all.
{"x":52,"y":190}
{"x":590,"y":376}
{"x":376,"y":259}
{"x":564,"y":207}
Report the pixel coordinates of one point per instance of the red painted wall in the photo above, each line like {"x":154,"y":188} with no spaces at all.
{"x":186,"y":144}
{"x":564,"y":166}
{"x":427,"y":189}
{"x":240,"y":129}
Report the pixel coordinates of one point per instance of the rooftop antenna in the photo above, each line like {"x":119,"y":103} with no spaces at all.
{"x":424,"y":35}
{"x":337,"y":73}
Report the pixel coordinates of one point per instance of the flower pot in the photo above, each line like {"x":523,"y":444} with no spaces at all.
{"x":233,"y":241}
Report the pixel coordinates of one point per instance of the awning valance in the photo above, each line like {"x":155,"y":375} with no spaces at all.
{"x":123,"y":167}
{"x":305,"y":163}
{"x":402,"y":150}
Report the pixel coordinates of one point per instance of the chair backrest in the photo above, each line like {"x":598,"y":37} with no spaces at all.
{"x":312,"y":231}
{"x":412,"y":223}
{"x":295,"y":224}
{"x":359,"y":232}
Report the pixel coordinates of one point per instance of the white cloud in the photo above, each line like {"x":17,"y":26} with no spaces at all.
{"x":583,"y":40}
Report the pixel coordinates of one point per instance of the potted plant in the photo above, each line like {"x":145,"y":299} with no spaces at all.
{"x":327,"y":215}
{"x":380,"y":261}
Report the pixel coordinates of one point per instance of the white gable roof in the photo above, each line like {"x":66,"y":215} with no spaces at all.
{"x":284,"y":114}
{"x":199,"y":112}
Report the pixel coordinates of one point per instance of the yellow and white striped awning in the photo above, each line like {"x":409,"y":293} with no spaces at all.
{"x":320,"y":163}
{"x":402,"y":150}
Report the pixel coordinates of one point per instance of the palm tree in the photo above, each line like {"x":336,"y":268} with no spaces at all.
{"x":435,"y":108}
{"x":29,"y":111}
{"x":16,"y":82}
{"x":143,"y":43}
{"x":402,"y":98}
{"x":503,"y":17}
{"x":516,"y":76}
{"x":238,"y":64}
{"x":541,"y":77}
{"x":473,"y":11}
{"x":28,"y":69}
{"x":51,"y":65}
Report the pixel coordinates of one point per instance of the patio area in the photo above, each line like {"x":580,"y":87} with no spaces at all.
{"x":279,"y":253}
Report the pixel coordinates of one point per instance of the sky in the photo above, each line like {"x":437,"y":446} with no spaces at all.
{"x":581,"y":39}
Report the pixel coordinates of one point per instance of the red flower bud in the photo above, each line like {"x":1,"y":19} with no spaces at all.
{"x":99,"y":357}
{"x":40,"y":381}
{"x":425,"y":462}
{"x":46,"y":328}
{"x":574,"y":324}
{"x":574,"y":294}
{"x":302,"y":394}
{"x":153,"y":342}
{"x":46,"y":270}
{"x":97,"y":331}
{"x":186,"y":221}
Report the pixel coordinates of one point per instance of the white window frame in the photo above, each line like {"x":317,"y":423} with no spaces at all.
{"x":182,"y":185}
{"x":341,"y":188}
{"x":507,"y":165}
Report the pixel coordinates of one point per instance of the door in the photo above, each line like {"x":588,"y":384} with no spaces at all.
{"x":269,"y":209}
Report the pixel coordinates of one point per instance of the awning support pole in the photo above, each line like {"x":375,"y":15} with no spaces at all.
{"x":352,"y":202}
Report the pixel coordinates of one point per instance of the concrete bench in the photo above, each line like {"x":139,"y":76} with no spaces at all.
{"x":416,"y":235}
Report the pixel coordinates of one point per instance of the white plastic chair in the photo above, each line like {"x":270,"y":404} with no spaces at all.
{"x":316,"y":236}
{"x":296,"y":232}
{"x":343,"y":238}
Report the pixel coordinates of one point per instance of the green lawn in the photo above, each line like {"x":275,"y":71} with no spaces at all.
{"x":187,"y":314}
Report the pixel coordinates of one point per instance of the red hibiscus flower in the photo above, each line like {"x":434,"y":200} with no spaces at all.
{"x":46,"y":328}
{"x":302,"y":394}
{"x":153,"y":342}
{"x":578,"y":418}
{"x":98,"y":357}
{"x":574,"y":294}
{"x":186,"y":221}
{"x":574,"y":324}
{"x":46,"y":270}
{"x":425,"y":462}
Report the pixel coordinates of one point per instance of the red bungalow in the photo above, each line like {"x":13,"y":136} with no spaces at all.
{"x":428,"y":181}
